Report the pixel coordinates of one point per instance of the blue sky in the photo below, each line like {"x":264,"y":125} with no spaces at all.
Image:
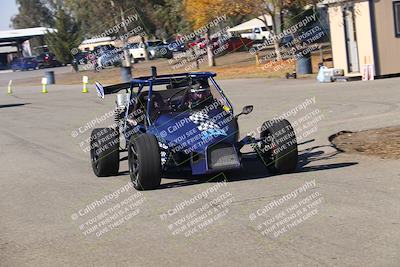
{"x":8,"y":9}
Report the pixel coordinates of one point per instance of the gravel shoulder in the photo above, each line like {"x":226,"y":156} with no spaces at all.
{"x":383,"y":142}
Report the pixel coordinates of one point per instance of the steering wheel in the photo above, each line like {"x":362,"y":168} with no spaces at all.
{"x":174,"y":94}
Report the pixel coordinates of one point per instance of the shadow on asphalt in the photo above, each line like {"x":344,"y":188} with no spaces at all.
{"x":254,"y":168}
{"x":314,"y":154}
{"x":13,"y":105}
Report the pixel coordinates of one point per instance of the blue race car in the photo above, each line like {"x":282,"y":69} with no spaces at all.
{"x":182,"y":122}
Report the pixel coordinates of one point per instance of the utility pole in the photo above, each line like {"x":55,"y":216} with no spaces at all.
{"x":127,"y":56}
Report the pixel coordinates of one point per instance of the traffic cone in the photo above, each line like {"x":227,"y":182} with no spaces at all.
{"x":44,"y":83}
{"x":9,"y":90}
{"x":85,"y":90}
{"x":44,"y":89}
{"x":85,"y":81}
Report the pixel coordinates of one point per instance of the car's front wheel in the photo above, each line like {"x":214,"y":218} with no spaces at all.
{"x":144,"y":162}
{"x":278,"y":148}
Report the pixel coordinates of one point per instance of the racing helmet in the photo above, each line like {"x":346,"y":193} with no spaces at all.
{"x":199,"y":92}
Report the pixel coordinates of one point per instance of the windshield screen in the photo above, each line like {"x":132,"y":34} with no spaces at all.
{"x":180,"y":96}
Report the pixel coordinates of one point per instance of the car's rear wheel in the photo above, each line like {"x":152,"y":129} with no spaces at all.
{"x":278,"y":148}
{"x":104,"y":151}
{"x":144,"y":162}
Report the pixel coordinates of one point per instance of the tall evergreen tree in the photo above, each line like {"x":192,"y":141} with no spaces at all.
{"x":66,"y":37}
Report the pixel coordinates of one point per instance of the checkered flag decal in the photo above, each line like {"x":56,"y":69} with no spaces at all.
{"x":199,"y":117}
{"x":163,"y":152}
{"x":203,"y":121}
{"x":162,"y":145}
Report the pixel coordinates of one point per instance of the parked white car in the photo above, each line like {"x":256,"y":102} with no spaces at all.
{"x":137,"y":51}
{"x":155,"y":49}
{"x":257,"y":33}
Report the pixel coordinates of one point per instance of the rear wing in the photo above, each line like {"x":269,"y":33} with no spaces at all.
{"x":171,"y":80}
{"x":111,"y":89}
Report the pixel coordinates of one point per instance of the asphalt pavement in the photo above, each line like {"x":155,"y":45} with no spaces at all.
{"x":336,"y":210}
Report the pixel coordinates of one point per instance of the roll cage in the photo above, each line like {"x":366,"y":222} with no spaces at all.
{"x":172,"y":81}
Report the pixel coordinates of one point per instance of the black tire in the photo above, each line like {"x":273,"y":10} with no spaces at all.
{"x":279,"y":148}
{"x":144,"y":162}
{"x":104,"y":151}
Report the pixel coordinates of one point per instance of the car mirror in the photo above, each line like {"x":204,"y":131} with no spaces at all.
{"x":247,"y":109}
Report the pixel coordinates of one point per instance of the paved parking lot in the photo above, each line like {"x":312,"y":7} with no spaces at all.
{"x":349,"y":209}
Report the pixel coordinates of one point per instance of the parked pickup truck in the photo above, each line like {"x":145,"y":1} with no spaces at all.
{"x":257,"y":33}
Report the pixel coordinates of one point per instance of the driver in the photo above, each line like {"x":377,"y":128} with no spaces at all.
{"x":198,"y":96}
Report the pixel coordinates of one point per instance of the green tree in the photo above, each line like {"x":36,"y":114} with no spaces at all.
{"x":66,"y":37}
{"x":170,"y":16}
{"x":32,"y":13}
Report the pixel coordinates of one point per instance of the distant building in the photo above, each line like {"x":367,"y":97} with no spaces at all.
{"x":365,"y":33}
{"x":15,"y":43}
